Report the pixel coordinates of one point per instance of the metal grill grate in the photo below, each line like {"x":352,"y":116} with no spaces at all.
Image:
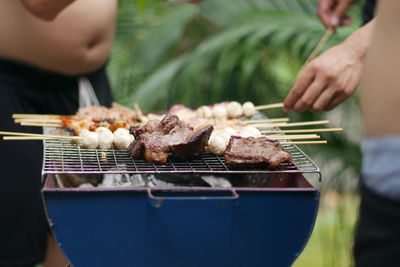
{"x":62,"y":156}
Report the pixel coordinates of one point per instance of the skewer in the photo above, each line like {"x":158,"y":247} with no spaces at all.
{"x":40,"y":120}
{"x":41,"y":124}
{"x":18,"y":116}
{"x":28,"y":138}
{"x":39,"y":135}
{"x":303,"y":131}
{"x":322,"y":42}
{"x":290,"y":124}
{"x":304,"y":143}
{"x":294,"y":137}
{"x":268,"y":120}
{"x":277,"y":105}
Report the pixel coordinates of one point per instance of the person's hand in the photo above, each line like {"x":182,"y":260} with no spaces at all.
{"x":326,"y":81}
{"x":333,"y":12}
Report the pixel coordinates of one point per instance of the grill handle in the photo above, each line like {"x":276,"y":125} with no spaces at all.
{"x":234,"y":196}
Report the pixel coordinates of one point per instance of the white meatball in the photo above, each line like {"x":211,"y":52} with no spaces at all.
{"x":204,"y":112}
{"x":230,"y":131}
{"x":219,"y":112}
{"x":122,"y":140}
{"x":226,"y":136}
{"x":217,"y":145}
{"x":248,"y":109}
{"x":90,"y":139}
{"x":253,"y":130}
{"x":121,"y":130}
{"x":234,"y":110}
{"x":106,"y":138}
{"x":246,"y":133}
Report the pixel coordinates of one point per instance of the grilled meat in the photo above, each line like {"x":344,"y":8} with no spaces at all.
{"x":159,"y":139}
{"x":255,"y":151}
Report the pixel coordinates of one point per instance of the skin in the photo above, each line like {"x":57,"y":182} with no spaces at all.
{"x":332,"y":77}
{"x":64,"y":36}
{"x":332,"y":13}
{"x":75,"y":41}
{"x":380,"y":91}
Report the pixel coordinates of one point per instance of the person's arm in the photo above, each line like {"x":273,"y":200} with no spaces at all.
{"x":332,"y":13}
{"x":380,"y":90}
{"x":46,"y":9}
{"x":332,"y":77}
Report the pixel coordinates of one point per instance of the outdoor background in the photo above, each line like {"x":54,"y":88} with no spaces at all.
{"x":244,"y":50}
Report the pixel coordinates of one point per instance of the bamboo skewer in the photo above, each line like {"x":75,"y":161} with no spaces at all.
{"x":304,"y":143}
{"x":270,"y":106}
{"x":28,"y":138}
{"x":322,"y":42}
{"x":40,"y":120}
{"x":290,"y":124}
{"x":30,"y":116}
{"x":41,"y":124}
{"x":303,"y":131}
{"x":267,"y":120}
{"x":293,"y":137}
{"x":39,"y":135}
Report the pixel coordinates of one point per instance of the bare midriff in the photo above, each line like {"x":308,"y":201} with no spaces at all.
{"x":78,"y":41}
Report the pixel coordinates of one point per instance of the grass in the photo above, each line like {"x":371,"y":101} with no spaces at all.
{"x":331,"y":242}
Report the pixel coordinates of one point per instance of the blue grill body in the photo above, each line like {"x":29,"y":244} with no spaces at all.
{"x":183,"y":227}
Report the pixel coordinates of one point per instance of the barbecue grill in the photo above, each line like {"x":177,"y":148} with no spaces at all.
{"x":264,"y":219}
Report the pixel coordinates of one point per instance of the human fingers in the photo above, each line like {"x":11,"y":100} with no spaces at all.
{"x":339,"y":11}
{"x":305,"y":79}
{"x":335,"y":101}
{"x":311,"y":94}
{"x":324,"y":99}
{"x":325,"y":11}
{"x":346,"y":20}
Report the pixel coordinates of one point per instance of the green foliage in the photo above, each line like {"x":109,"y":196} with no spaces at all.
{"x":167,"y":53}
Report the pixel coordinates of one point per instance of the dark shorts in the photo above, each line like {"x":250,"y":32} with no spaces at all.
{"x":377,"y":241}
{"x":24,"y":89}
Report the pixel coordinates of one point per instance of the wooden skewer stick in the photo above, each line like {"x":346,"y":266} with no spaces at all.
{"x":28,"y":138}
{"x":41,"y":124}
{"x":277,"y":105}
{"x":322,"y":42}
{"x":304,"y":143}
{"x":40,"y":135}
{"x":268,"y":120}
{"x":303,"y":131}
{"x":294,"y":137}
{"x":18,"y":116}
{"x":290,"y":124}
{"x":43,"y":120}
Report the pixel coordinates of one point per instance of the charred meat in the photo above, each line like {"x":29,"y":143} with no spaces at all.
{"x":252,"y":151}
{"x":159,"y":139}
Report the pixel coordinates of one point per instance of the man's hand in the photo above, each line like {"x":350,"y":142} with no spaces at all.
{"x":333,"y":12}
{"x":326,"y":81}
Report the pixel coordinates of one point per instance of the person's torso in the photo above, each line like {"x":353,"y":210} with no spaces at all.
{"x":78,"y":41}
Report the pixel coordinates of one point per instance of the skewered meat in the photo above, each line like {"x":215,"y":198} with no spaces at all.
{"x":248,"y":109}
{"x":219,"y":112}
{"x":204,"y":112}
{"x":89,"y":139}
{"x":255,"y":151}
{"x":250,"y":131}
{"x":122,"y":138}
{"x":234,"y":110}
{"x":99,"y":113}
{"x":106,"y":138}
{"x":217,"y":144}
{"x":159,"y":139}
